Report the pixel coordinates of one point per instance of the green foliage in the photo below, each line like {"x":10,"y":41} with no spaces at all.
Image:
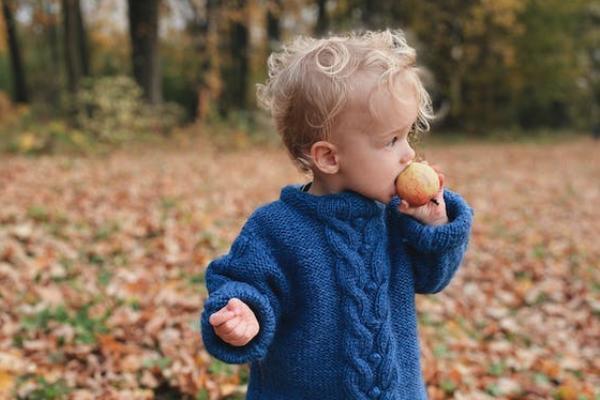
{"x":220,"y":368}
{"x":161,"y":363}
{"x":506,"y":63}
{"x":106,"y":112}
{"x":497,"y":369}
{"x":37,"y":137}
{"x":498,"y":65}
{"x":86,"y":327}
{"x":44,"y":390}
{"x":448,"y":386}
{"x":5,"y":74}
{"x":180,"y":70}
{"x":240,"y":130}
{"x":493,"y":389}
{"x":202,"y":394}
{"x":111,"y":109}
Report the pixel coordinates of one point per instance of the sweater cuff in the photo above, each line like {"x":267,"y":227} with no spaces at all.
{"x":436,"y":238}
{"x":257,"y":347}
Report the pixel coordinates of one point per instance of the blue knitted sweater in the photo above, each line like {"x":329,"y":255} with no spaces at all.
{"x":332,"y":280}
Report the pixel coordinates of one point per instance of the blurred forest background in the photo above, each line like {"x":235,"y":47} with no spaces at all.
{"x":75,"y":75}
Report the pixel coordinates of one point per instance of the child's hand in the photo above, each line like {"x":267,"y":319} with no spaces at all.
{"x":430,"y":213}
{"x":235,"y":323}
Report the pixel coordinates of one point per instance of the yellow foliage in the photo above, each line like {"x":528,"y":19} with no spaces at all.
{"x":567,"y":392}
{"x":78,"y":137}
{"x":504,"y":12}
{"x":241,"y":139}
{"x":5,"y":106}
{"x":7,"y":381}
{"x":27,"y":142}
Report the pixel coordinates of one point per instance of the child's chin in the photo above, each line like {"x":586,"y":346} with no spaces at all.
{"x":385,"y":198}
{"x":391,"y":195}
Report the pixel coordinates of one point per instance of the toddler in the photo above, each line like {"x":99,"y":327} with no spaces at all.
{"x":318,"y":290}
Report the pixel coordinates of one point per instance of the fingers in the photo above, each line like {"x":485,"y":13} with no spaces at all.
{"x":237,"y":332}
{"x":221,"y":317}
{"x":242,"y":334}
{"x":232,"y":309}
{"x":235,"y":305}
{"x":232,"y":330}
{"x":233,"y":324}
{"x":405,"y":208}
{"x":439,"y":197}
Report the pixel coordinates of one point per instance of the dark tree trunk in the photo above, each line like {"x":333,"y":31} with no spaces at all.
{"x":322,"y":18}
{"x":273,"y":26}
{"x":73,"y":60}
{"x":20,"y":86}
{"x":143,"y":30}
{"x":204,"y":32}
{"x":379,"y":14}
{"x":369,"y":13}
{"x":84,"y":50}
{"x":53,"y":39}
{"x":239,"y":68}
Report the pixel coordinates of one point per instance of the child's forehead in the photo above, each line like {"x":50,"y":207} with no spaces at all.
{"x":372,"y":105}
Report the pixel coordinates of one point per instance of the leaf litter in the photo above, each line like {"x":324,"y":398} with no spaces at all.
{"x":102,"y":267}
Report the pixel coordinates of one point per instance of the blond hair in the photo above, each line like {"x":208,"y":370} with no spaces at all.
{"x":310,"y":78}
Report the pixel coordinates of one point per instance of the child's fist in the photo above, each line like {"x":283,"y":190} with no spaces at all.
{"x":235,"y":323}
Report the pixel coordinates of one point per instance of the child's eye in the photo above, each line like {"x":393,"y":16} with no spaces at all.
{"x":393,"y":141}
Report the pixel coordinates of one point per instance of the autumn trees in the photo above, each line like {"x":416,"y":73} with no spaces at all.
{"x":491,"y":64}
{"x":76,"y":49}
{"x":143,"y":30}
{"x":20,"y":87}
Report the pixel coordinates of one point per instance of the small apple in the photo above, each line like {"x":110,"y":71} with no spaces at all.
{"x":417,"y":184}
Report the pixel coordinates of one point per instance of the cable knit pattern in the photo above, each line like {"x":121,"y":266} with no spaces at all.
{"x":332,"y":281}
{"x":366,"y":341}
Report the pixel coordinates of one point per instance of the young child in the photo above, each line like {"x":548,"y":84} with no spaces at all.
{"x":318,"y":290}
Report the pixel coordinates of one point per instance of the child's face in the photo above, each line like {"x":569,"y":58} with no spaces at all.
{"x":373,"y":150}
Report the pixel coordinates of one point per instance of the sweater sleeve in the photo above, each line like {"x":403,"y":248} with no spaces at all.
{"x":436,"y":251}
{"x":248,"y":272}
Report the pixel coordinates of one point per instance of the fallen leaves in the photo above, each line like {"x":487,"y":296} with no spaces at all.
{"x":527,"y":289}
{"x":102,"y":272}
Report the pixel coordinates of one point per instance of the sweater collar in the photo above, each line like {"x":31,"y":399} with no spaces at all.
{"x":346,"y":205}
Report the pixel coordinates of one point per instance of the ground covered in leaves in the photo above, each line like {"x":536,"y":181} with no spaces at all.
{"x":102,"y":272}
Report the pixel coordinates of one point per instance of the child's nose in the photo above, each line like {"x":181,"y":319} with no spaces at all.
{"x":408,"y":156}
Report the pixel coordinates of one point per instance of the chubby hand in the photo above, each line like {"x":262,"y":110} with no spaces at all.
{"x":235,"y":323}
{"x":432,"y":213}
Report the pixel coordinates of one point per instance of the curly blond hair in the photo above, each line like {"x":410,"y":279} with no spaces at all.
{"x":310,"y":78}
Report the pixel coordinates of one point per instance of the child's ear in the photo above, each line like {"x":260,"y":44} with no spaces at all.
{"x":325,"y":158}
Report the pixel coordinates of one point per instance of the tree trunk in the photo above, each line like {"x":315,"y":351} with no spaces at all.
{"x":71,"y":42}
{"x":84,"y":50}
{"x":369,"y":13}
{"x":20,"y":86}
{"x":53,"y":38}
{"x":322,"y":18}
{"x":274,"y":11}
{"x":51,"y":42}
{"x":237,"y":78}
{"x":143,"y":30}
{"x":205,"y":36}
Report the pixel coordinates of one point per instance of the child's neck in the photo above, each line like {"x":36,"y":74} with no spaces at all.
{"x":320,"y":186}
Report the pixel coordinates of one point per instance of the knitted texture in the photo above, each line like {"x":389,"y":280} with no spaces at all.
{"x":332,"y":281}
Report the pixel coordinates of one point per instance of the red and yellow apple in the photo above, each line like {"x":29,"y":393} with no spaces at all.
{"x":417,"y":184}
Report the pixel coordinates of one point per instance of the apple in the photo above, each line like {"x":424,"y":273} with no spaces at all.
{"x":417,"y":184}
